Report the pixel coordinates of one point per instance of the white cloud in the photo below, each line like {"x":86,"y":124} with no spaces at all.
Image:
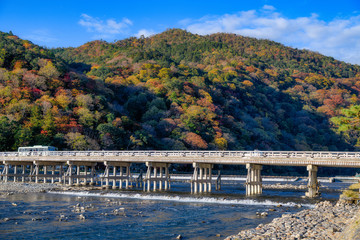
{"x":338,"y":38}
{"x":145,"y":33}
{"x":41,"y":36}
{"x":269,"y":7}
{"x":104,"y":28}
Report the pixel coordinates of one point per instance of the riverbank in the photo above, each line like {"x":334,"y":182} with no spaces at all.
{"x":19,"y":187}
{"x":326,"y":221}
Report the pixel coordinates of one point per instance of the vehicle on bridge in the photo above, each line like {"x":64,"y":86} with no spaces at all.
{"x":256,"y":153}
{"x":36,"y":150}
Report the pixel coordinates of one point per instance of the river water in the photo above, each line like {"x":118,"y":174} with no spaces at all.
{"x":133,"y":214}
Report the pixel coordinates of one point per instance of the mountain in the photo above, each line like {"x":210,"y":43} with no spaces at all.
{"x":176,"y":90}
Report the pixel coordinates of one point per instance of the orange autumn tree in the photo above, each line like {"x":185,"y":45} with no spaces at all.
{"x":195,"y":141}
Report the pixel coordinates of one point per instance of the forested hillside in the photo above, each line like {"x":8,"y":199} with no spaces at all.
{"x":177,"y":90}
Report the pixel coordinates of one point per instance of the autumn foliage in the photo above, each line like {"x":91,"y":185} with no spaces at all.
{"x":176,"y":90}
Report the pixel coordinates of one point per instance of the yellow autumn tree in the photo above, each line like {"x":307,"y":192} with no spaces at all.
{"x":49,"y":71}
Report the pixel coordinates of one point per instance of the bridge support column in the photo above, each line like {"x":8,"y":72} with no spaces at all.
{"x":36,"y":172}
{"x":159,"y":178}
{"x":139,"y":181}
{"x":5,"y":172}
{"x":23,"y":173}
{"x":92,"y":174}
{"x":253,"y":180}
{"x":61,"y":170}
{"x":81,"y":174}
{"x":107,"y":173}
{"x":45,"y":173}
{"x":218,"y":181}
{"x":52,"y":173}
{"x":31,"y":172}
{"x":15,"y":173}
{"x":114,"y":180}
{"x":120,"y":173}
{"x":313,"y":184}
{"x":77,"y":175}
{"x":201,"y":179}
{"x":69,"y":174}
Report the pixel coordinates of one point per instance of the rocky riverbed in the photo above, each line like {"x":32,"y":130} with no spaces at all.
{"x":326,"y":221}
{"x":18,"y":187}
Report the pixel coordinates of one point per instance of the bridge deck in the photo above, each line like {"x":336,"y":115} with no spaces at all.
{"x":280,"y":158}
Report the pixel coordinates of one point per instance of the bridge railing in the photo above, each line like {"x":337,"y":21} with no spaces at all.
{"x":194,"y":154}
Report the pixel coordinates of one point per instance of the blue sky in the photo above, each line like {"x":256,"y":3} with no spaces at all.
{"x":329,"y":27}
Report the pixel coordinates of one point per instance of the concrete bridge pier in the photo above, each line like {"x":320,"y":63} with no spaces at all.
{"x":201,"y":179}
{"x":23,"y":172}
{"x":16,"y":171}
{"x":5,"y":171}
{"x":36,"y":171}
{"x":139,"y":180}
{"x":125,"y":175}
{"x":116,"y":172}
{"x":24,"y":168}
{"x":158,"y":173}
{"x":31,"y":173}
{"x":60,"y":173}
{"x":14,"y":174}
{"x":253,"y":180}
{"x":218,"y":181}
{"x":78,"y":173}
{"x":92,"y":173}
{"x":45,"y":173}
{"x":313,"y":184}
{"x":68,"y":177}
{"x":50,"y":170}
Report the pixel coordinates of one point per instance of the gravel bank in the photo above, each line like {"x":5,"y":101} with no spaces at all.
{"x":17,"y":187}
{"x":325,"y":221}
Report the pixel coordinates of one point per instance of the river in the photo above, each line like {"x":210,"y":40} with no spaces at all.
{"x":134,"y":214}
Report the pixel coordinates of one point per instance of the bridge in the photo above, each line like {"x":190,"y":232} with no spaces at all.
{"x":78,"y":167}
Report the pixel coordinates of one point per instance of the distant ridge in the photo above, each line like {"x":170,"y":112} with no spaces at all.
{"x":175,"y":90}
